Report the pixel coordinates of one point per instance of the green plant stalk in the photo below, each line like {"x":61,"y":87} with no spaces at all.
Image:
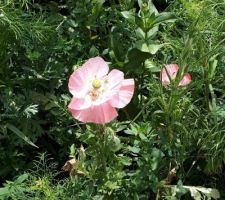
{"x":100,"y":150}
{"x":169,"y":114}
{"x":103,"y":153}
{"x":205,"y":75}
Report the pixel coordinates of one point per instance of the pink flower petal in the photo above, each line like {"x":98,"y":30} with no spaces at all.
{"x":96,"y":67}
{"x":115,"y":79}
{"x":125,"y":94}
{"x":78,"y":83}
{"x":95,"y":100}
{"x":99,"y":114}
{"x":172,"y":70}
{"x":186,"y":80}
{"x":80,"y":104}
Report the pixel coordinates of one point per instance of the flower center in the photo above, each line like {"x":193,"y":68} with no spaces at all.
{"x":96,"y":84}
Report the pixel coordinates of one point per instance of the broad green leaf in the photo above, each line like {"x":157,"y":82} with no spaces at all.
{"x":134,"y":149}
{"x":98,"y":7}
{"x":148,"y":48}
{"x":142,"y":46}
{"x":20,"y":134}
{"x":140,"y":33}
{"x":129,"y":15}
{"x":93,"y":51}
{"x":99,"y":3}
{"x":115,"y":43}
{"x":152,"y":32}
{"x":136,"y":59}
{"x":112,"y":185}
{"x":125,"y":161}
{"x":165,"y":17}
{"x":129,"y":132}
{"x":50,"y":105}
{"x":4,"y":191}
{"x":21,"y":178}
{"x":143,"y":137}
{"x":156,"y":153}
{"x":153,"y":48}
{"x":152,"y":8}
{"x":149,"y":64}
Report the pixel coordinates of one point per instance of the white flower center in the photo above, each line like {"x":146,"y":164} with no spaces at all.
{"x":98,"y":88}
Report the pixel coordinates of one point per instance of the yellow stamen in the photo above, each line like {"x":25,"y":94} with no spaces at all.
{"x":96,"y":84}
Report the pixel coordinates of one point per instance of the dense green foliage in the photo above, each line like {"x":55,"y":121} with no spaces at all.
{"x":167,"y":138}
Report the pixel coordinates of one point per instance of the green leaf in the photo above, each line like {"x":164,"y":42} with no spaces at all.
{"x":72,"y":151}
{"x":129,"y":15}
{"x":98,"y":8}
{"x":142,"y":46}
{"x":148,"y":48}
{"x":129,"y":132}
{"x":152,"y":32}
{"x":99,"y":4}
{"x":21,"y":178}
{"x":20,"y":134}
{"x":143,"y":137}
{"x":152,"y":8}
{"x":157,"y":154}
{"x":136,"y":59}
{"x":165,"y":17}
{"x":34,"y":55}
{"x":134,"y":149}
{"x":140,"y":33}
{"x":115,"y":44}
{"x":181,"y":188}
{"x":153,"y":48}
{"x":149,"y":64}
{"x":125,"y":161}
{"x":4,"y":191}
{"x":112,"y":185}
{"x":93,"y":51}
{"x":212,"y":68}
{"x":98,"y":197}
{"x":50,"y":105}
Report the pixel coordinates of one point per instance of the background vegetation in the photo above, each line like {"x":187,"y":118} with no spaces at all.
{"x":167,"y":139}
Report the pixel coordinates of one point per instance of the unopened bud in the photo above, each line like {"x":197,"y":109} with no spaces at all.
{"x":144,"y":7}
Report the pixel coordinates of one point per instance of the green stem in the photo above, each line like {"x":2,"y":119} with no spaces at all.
{"x":169,"y":116}
{"x":101,"y":153}
{"x":205,"y":71}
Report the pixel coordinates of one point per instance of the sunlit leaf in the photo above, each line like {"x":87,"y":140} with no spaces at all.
{"x":20,"y":134}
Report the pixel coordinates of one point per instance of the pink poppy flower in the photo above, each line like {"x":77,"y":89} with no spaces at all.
{"x":97,"y":93}
{"x":172,"y":70}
